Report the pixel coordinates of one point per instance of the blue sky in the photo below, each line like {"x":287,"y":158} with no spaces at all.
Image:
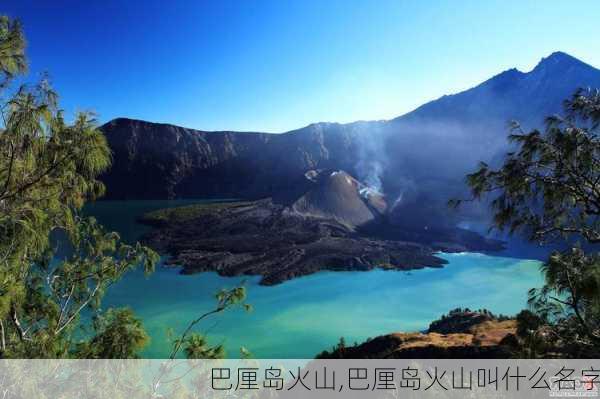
{"x":278,"y":65}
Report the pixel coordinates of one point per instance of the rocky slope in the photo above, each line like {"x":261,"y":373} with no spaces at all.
{"x":337,"y":195}
{"x":159,"y":161}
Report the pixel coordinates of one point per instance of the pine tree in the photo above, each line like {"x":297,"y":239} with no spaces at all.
{"x":549,"y":188}
{"x":48,"y":171}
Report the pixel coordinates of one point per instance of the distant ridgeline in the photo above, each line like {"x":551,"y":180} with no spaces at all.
{"x":417,"y":160}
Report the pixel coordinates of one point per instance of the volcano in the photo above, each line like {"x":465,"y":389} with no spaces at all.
{"x":337,"y":195}
{"x":423,"y":154}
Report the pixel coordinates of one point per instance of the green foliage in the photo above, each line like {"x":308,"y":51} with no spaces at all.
{"x":12,"y":50}
{"x":184,"y":213}
{"x":528,"y":322}
{"x":197,"y":347}
{"x":119,"y":335}
{"x":571,"y":294}
{"x":48,"y":170}
{"x":245,"y":353}
{"x":483,"y":312}
{"x":337,"y":350}
{"x":194,"y":345}
{"x":549,"y":188}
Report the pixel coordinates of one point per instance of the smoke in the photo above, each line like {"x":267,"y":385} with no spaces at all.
{"x":420,"y":164}
{"x":372,"y":159}
{"x":420,"y":160}
{"x":397,"y":202}
{"x":366,"y":192}
{"x":370,"y":173}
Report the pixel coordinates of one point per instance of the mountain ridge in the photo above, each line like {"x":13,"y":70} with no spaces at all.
{"x":557,"y":57}
{"x":418,"y":159}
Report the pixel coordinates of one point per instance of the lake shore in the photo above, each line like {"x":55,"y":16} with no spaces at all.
{"x":301,"y":317}
{"x":266,"y":239}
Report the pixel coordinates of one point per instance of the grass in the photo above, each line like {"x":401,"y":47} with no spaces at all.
{"x":189,"y":212}
{"x":483,"y":334}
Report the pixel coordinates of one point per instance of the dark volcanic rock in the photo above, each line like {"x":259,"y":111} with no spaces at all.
{"x":323,"y":228}
{"x":267,"y":239}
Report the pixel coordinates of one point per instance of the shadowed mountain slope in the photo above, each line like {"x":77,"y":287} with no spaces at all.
{"x":417,"y":160}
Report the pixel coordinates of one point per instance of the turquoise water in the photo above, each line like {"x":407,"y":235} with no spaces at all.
{"x":301,"y":317}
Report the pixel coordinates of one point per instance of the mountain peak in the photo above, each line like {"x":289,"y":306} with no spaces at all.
{"x":560,"y":60}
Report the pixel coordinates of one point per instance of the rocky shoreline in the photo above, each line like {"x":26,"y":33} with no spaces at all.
{"x":271,"y":240}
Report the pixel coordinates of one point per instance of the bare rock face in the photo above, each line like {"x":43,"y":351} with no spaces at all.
{"x":162,"y":161}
